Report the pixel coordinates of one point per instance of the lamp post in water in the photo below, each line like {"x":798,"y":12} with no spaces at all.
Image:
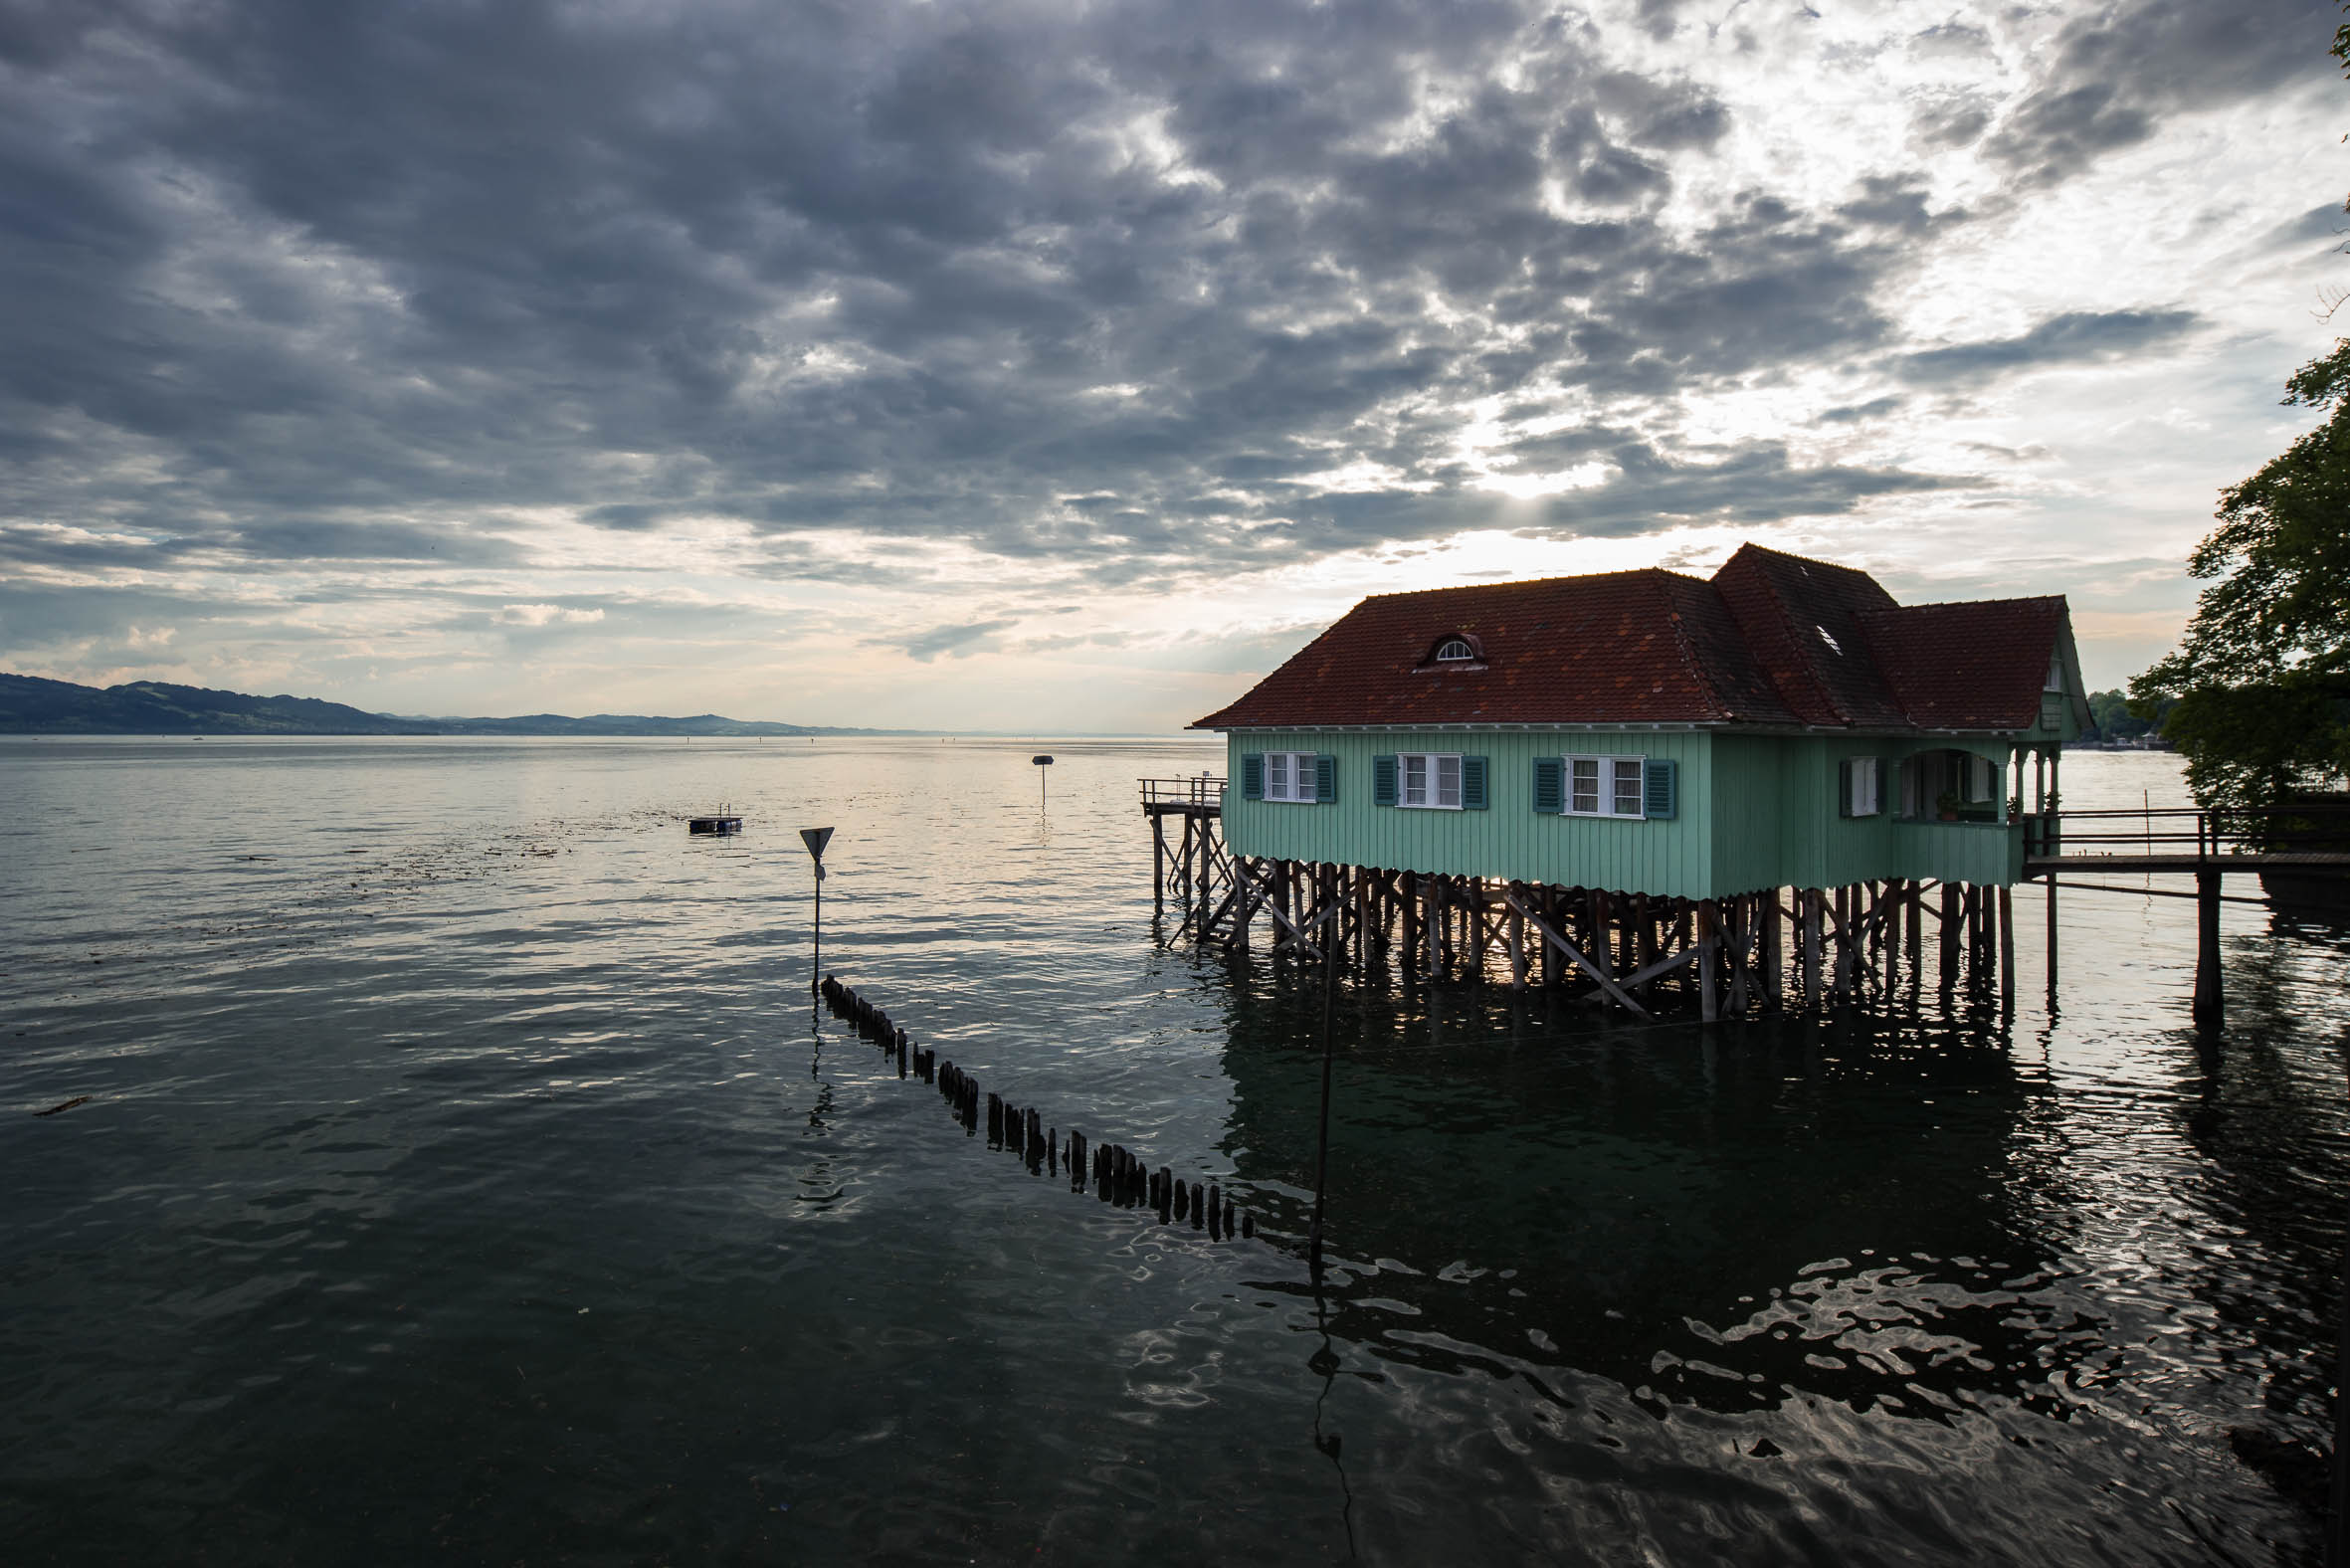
{"x":816,"y":839}
{"x":1043,"y":761}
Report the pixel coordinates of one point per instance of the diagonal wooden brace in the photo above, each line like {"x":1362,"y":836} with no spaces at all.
{"x":1575,"y":955}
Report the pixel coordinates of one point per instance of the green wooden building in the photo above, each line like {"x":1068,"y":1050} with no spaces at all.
{"x":1783,"y":725}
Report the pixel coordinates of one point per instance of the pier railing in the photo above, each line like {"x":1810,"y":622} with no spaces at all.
{"x":2191,"y":834}
{"x":1205,"y":789}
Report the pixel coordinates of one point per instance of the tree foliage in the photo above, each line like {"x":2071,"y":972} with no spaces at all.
{"x":2261,"y":677}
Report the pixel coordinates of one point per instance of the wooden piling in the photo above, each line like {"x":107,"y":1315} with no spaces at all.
{"x":1949,"y":935}
{"x":2209,"y":1010}
{"x":1709,"y":925}
{"x":1813,"y":908}
{"x":2007,"y":948}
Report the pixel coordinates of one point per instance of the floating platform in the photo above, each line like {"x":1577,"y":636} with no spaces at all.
{"x":718,"y":825}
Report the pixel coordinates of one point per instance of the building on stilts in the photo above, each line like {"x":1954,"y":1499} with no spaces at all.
{"x":1757,"y":790}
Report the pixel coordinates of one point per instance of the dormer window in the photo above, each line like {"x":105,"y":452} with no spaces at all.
{"x":1457,"y":649}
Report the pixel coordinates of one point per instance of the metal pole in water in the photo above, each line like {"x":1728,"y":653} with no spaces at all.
{"x":816,"y":839}
{"x":1321,"y":1157}
{"x":1042,"y":761}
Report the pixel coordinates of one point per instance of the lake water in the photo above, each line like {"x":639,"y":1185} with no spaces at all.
{"x":466,"y":1177}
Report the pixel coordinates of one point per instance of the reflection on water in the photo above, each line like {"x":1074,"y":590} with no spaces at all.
{"x":466,"y":1174}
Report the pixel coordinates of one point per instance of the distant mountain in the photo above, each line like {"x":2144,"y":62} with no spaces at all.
{"x":30,"y":706}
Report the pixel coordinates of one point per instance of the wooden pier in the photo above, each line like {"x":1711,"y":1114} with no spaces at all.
{"x":1783,"y":949}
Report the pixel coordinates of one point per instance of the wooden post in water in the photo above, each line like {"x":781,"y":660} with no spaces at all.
{"x":2050,"y":886}
{"x":2007,"y":948}
{"x":1709,"y":925}
{"x":1158,"y":863}
{"x":1517,"y":948}
{"x":2210,"y":1012}
{"x":1949,"y":935}
{"x":1916,"y":891}
{"x":1813,"y":900}
{"x":1411,"y":923}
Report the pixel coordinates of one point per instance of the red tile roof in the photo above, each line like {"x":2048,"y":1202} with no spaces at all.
{"x":1771,"y":639}
{"x":1978,"y":663}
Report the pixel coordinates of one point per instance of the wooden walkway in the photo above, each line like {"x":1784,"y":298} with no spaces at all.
{"x":2226,"y":860}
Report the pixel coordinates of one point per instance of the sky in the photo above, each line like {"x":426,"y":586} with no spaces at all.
{"x":1066,"y":367}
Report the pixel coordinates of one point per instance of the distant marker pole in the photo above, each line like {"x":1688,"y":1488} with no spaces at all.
{"x":816,"y":839}
{"x":1043,"y":761}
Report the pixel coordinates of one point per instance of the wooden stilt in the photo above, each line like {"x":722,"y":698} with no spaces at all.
{"x":2209,"y":1010}
{"x":1517,"y":946}
{"x":1411,"y":923}
{"x":1708,"y":927}
{"x":1950,"y":919}
{"x":1158,"y":863}
{"x":2050,"y":887}
{"x":1841,"y":986}
{"x":1892,"y":934}
{"x":1916,"y":891}
{"x":2007,"y":948}
{"x":1813,"y":901}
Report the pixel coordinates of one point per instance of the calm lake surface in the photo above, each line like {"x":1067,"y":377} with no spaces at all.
{"x":465,"y":1177}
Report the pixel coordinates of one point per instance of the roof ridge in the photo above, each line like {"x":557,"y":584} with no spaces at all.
{"x":1945,"y":604}
{"x":1535,"y":582}
{"x":1715,"y":708}
{"x":1808,"y":561}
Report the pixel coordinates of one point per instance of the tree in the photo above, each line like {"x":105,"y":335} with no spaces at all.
{"x":2261,"y":677}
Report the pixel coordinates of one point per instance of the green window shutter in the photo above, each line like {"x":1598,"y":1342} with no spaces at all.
{"x":1473,"y":783}
{"x":1892,"y":782}
{"x":1844,"y":788}
{"x":1660,"y":787}
{"x":1383,"y":780}
{"x":1550,"y":785}
{"x":1252,"y":775}
{"x":1326,"y":778}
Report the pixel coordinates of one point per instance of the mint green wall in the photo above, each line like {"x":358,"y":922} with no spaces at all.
{"x":1507,"y":839}
{"x":1756,"y":811}
{"x":1778,"y":822}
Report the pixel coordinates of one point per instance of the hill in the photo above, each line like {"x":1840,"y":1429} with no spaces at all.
{"x":31,"y":705}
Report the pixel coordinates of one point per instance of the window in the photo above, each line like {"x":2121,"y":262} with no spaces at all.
{"x":1606,"y":786}
{"x":1290,"y":775}
{"x":1431,"y":779}
{"x":2055,"y":672}
{"x":1454,"y":648}
{"x":1982,"y":780}
{"x":1863,"y":787}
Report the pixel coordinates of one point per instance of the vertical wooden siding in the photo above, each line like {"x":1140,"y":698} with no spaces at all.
{"x":1506,"y":839}
{"x":1778,"y":820}
{"x":1755,"y":811}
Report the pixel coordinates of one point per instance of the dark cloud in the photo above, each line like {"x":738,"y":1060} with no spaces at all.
{"x":2112,"y":79}
{"x":958,"y":641}
{"x":2076,"y":338}
{"x":366,"y":284}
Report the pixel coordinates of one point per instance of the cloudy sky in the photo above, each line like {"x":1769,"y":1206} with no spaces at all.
{"x":1064,"y":366}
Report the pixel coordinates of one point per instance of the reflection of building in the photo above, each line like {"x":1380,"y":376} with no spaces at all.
{"x":1480,"y":764}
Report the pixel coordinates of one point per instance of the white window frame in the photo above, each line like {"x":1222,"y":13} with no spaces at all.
{"x":1445,"y":653}
{"x":1434,"y":766}
{"x":1297,"y":783}
{"x":1609,"y":770}
{"x":1868,"y":797}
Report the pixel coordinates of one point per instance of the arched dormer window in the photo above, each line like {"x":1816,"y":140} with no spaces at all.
{"x":1455,"y":648}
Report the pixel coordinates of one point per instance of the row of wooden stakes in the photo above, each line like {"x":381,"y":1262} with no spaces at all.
{"x":1114,"y":1173}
